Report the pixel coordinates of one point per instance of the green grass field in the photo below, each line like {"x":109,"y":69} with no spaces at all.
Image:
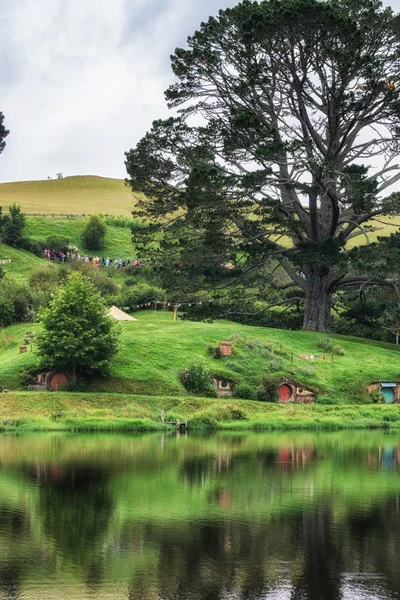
{"x":71,"y":195}
{"x":155,"y":351}
{"x":41,"y":411}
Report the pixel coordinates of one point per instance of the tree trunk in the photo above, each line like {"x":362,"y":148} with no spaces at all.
{"x":318,"y":300}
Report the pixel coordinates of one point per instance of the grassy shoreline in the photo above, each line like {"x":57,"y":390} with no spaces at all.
{"x":46,"y":411}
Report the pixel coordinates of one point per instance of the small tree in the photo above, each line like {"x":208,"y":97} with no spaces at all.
{"x":12,"y":226}
{"x":94,"y":233}
{"x":6,"y":310}
{"x":77,"y":334}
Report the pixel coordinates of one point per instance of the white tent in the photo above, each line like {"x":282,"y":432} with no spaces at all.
{"x":119,"y":315}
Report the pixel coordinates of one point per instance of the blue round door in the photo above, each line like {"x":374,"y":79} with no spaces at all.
{"x":388,"y":394}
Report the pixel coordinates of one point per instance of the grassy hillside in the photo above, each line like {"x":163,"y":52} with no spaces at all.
{"x":22,"y":263}
{"x":118,"y":242}
{"x":71,"y":195}
{"x":156,"y":351}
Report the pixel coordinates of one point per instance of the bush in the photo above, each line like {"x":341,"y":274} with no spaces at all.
{"x":58,"y":242}
{"x":214,"y":351}
{"x":33,"y":246}
{"x":94,"y":233}
{"x":140,"y":293}
{"x":376,"y":397}
{"x":102,"y":279}
{"x":268,"y":391}
{"x":197,"y":379}
{"x":45,"y":278}
{"x":328,"y":346}
{"x":6,"y":310}
{"x":245,"y":392}
{"x":20,"y":297}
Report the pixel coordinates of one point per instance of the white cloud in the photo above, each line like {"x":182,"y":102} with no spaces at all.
{"x":82,"y":81}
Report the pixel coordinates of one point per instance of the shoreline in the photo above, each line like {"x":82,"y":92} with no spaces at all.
{"x":79,"y":412}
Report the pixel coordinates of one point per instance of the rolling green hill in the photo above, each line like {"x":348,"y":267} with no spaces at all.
{"x":71,"y":195}
{"x":155,"y":351}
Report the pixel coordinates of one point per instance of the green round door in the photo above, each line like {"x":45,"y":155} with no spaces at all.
{"x":388,"y":394}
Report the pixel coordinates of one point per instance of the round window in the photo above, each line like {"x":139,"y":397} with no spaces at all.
{"x":224,"y":383}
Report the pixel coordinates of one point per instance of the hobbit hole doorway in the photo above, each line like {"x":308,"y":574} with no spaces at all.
{"x":285,"y":392}
{"x":56,"y":380}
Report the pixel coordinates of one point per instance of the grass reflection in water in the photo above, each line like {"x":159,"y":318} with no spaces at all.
{"x":302,"y":516}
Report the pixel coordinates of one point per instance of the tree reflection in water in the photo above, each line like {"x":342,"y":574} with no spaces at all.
{"x":291,"y":516}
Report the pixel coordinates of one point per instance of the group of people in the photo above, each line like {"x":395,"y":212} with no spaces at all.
{"x":106,"y":262}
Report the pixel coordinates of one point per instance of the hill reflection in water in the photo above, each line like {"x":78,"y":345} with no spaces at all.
{"x":296,"y":516}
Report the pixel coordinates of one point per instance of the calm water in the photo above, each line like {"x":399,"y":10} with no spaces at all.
{"x":292,"y":516}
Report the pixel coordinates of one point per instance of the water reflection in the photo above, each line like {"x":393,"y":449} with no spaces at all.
{"x":249,"y":516}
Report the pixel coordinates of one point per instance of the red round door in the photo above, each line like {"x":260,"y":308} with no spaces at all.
{"x":285,"y":392}
{"x":56,"y":380}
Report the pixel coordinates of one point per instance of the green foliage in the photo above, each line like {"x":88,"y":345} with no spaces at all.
{"x":6,"y":310}
{"x":140,"y":293}
{"x":328,"y":346}
{"x":197,"y":379}
{"x":102,"y":279}
{"x":3,"y":133}
{"x":94,"y":233}
{"x":57,"y":242}
{"x":20,"y":296}
{"x":77,"y":335}
{"x":214,"y":350}
{"x":376,"y":397}
{"x":12,"y":226}
{"x":268,"y":390}
{"x":227,"y":207}
{"x":244,"y":391}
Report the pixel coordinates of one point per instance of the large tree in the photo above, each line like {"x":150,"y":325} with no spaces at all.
{"x":283,"y":147}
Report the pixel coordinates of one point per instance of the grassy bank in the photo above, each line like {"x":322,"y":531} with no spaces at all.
{"x":41,"y":411}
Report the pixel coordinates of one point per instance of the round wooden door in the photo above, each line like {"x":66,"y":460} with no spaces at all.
{"x":56,"y":380}
{"x":285,"y":392}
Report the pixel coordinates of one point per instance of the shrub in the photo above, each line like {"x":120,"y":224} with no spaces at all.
{"x":94,"y":232}
{"x":121,"y":221}
{"x":57,"y":242}
{"x":214,"y":351}
{"x":33,"y":246}
{"x":102,"y":279}
{"x":140,"y":293}
{"x":6,"y":310}
{"x":197,"y":379}
{"x":376,"y":397}
{"x":245,"y":391}
{"x":328,"y":346}
{"x":20,"y":297}
{"x":45,"y":278}
{"x":268,"y":391}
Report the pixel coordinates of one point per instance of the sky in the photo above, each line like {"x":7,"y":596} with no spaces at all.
{"x":82,"y":80}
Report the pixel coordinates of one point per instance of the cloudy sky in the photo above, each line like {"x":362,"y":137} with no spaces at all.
{"x":82,"y":80}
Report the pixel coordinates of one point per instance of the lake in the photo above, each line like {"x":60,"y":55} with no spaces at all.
{"x":277,"y":516}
